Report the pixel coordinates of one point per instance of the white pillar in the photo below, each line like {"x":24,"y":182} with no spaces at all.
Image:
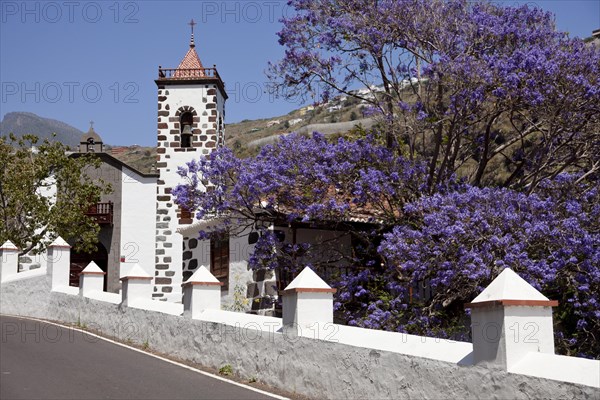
{"x":9,"y":260}
{"x":91,"y":279}
{"x":137,"y":285}
{"x":510,"y":319}
{"x":59,"y":263}
{"x":202,"y":291}
{"x":307,"y":304}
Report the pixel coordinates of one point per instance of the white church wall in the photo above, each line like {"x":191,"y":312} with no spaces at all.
{"x":138,"y":222}
{"x":48,"y":189}
{"x":31,"y":261}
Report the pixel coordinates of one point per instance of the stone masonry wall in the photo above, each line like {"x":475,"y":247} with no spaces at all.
{"x":206,"y":104}
{"x":30,"y":261}
{"x":195,"y":253}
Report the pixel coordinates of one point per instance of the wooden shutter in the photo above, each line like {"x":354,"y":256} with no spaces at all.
{"x":219,"y":259}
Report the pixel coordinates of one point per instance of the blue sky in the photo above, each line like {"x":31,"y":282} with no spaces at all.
{"x":97,"y":60}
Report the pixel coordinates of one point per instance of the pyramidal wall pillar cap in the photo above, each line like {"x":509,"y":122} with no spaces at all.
{"x":59,"y":243}
{"x":509,"y":289}
{"x":308,"y":281}
{"x":8,"y":245}
{"x":92,"y":269}
{"x":202,"y":277}
{"x":136,"y":273}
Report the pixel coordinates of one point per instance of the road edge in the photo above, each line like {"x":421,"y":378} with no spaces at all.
{"x":199,"y":371}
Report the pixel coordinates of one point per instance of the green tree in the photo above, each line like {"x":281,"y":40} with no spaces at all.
{"x":43,"y":194}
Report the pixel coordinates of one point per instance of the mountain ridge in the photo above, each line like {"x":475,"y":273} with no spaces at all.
{"x":22,"y":122}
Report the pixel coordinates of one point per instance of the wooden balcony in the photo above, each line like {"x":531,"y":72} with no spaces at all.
{"x":102,"y":213}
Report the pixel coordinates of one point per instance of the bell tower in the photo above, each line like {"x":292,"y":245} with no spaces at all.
{"x":191,"y":114}
{"x":91,"y":142}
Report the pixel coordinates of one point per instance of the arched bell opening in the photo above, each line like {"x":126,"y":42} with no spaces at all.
{"x":186,"y":121}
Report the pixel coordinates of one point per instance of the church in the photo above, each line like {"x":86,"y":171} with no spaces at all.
{"x":140,"y":222}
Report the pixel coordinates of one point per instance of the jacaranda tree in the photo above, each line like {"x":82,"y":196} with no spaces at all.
{"x":459,"y":242}
{"x":494,"y":93}
{"x":489,"y":159}
{"x":305,"y":179}
{"x":455,"y":241}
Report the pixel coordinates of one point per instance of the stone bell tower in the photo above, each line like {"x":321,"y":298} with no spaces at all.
{"x":191,"y":113}
{"x":91,"y":142}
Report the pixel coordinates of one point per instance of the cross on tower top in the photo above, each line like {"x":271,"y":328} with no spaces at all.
{"x":91,"y":124}
{"x":192,"y":24}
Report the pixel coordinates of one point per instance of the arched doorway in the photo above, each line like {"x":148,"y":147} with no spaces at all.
{"x":80,"y":260}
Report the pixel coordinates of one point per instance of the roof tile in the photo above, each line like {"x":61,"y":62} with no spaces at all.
{"x":190,"y":66}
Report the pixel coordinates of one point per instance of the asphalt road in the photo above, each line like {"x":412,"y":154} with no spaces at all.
{"x":45,"y":361}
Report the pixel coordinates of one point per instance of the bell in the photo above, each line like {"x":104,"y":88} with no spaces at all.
{"x":187,"y":130}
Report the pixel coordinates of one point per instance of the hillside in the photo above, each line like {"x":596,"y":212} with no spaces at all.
{"x":21,"y":123}
{"x":246,"y":137}
{"x":339,"y":115}
{"x":141,"y":158}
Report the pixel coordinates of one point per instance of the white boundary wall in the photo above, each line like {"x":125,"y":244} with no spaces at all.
{"x":323,"y":361}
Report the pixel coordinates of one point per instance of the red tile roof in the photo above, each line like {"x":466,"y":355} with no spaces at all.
{"x":190,"y":66}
